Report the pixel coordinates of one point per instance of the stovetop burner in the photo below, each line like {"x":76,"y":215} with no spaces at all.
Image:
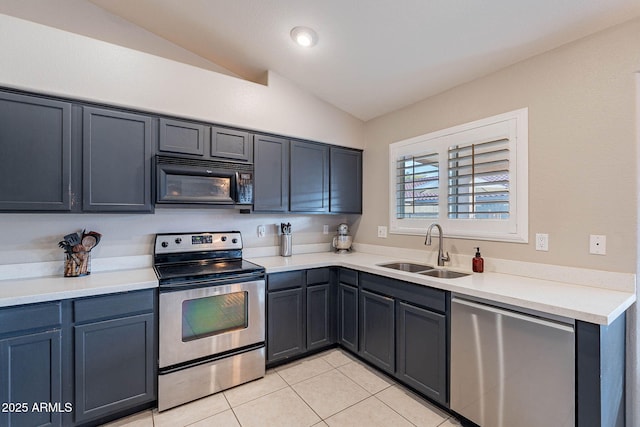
{"x":191,"y":257}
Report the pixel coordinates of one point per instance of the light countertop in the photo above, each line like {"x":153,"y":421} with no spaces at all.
{"x":52,"y":288}
{"x":590,"y":304}
{"x":587,"y":303}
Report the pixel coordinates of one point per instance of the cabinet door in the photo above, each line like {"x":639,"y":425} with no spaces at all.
{"x":116,"y":161}
{"x":31,"y":374}
{"x":348,"y":317}
{"x":271,"y":174}
{"x":309,"y":179}
{"x":346,"y":181}
{"x":422,"y":351}
{"x":319,"y":316}
{"x":114,"y":365}
{"x":177,"y":136}
{"x":377,"y":333}
{"x":285,"y":324}
{"x":231,"y":144}
{"x":35,"y":154}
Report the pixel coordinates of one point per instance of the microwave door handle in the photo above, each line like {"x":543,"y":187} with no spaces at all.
{"x":236,"y":197}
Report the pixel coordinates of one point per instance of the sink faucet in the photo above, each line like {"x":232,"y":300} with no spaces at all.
{"x":442,"y":258}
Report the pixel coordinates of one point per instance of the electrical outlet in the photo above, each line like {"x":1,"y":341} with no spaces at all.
{"x":325,"y":229}
{"x":262,"y":230}
{"x":382,"y":231}
{"x":597,"y":244}
{"x":542,"y":242}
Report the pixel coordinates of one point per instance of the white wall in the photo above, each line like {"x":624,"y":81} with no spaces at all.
{"x":582,"y":150}
{"x":47,"y":60}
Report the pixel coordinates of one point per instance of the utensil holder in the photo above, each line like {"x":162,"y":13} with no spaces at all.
{"x":77,"y":264}
{"x":286,"y":248}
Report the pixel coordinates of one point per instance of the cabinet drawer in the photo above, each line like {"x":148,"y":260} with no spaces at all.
{"x":32,"y":316}
{"x":287,"y":280}
{"x":434,"y":299}
{"x":350,"y":277}
{"x":318,"y":276}
{"x":116,"y":305}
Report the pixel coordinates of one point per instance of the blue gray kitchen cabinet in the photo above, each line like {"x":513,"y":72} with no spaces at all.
{"x":285,"y":315}
{"x":345,"y":183}
{"x":377,"y":330}
{"x":300,"y":313}
{"x":309,"y":177}
{"x":320,"y":308}
{"x":31,"y":365}
{"x":421,"y":344}
{"x":114,"y":354}
{"x":600,"y":374}
{"x":35,"y":153}
{"x":179,"y":136}
{"x":348,"y":309}
{"x":117,"y":158}
{"x":403,"y":331}
{"x":231,"y":144}
{"x":271,"y":174}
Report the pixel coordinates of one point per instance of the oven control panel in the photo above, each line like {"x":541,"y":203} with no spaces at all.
{"x":194,"y":242}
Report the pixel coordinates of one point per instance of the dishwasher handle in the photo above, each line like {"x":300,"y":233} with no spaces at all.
{"x":508,"y":313}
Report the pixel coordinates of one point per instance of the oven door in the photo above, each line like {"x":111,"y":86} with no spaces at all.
{"x":205,"y":321}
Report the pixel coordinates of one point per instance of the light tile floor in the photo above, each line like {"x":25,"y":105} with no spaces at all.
{"x":328,"y":389}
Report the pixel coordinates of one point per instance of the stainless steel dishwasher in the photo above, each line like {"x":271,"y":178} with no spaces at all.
{"x":510,"y":368}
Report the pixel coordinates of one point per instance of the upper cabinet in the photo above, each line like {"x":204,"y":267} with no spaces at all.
{"x":35,"y":154}
{"x":345,"y":181}
{"x":116,"y":157}
{"x":177,"y":136}
{"x":231,"y":144}
{"x":309,"y":177}
{"x":271,"y":174}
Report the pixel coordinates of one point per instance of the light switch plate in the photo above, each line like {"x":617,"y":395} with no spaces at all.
{"x":262,"y":230}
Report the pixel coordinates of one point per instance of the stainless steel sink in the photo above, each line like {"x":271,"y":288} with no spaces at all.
{"x":407,"y":266}
{"x":443,"y":274}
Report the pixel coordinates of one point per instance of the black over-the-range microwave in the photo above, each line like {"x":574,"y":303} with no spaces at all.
{"x":203,"y":182}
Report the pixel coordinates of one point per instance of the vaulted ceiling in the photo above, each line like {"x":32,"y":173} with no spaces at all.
{"x":373,"y":56}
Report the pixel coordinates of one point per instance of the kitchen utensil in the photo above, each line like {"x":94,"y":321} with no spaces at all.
{"x":73,"y":239}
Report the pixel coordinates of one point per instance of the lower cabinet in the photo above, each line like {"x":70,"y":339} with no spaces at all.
{"x":348,"y":316}
{"x":300,"y":313}
{"x":31,"y":377}
{"x":422,"y":350}
{"x":114,"y":353}
{"x":31,"y":365}
{"x":77,"y":362}
{"x":377,"y":330}
{"x":319,"y":316}
{"x":285,"y":324}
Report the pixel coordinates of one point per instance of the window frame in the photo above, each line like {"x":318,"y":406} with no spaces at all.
{"x":513,"y":126}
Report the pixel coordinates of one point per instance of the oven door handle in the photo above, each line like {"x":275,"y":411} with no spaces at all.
{"x":237,"y":278}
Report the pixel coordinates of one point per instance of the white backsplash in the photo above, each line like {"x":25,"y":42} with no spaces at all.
{"x":33,"y":238}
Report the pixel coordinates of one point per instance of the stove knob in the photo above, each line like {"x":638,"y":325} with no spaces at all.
{"x":164,"y":244}
{"x":178,"y":241}
{"x":234,"y":240}
{"x":223,"y":238}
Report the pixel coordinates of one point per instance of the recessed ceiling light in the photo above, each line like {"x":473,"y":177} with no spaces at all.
{"x":304,"y":36}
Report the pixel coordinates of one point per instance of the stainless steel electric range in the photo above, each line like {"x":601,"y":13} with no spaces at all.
{"x":212,"y":315}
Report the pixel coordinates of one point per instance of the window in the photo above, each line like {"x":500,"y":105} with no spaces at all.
{"x":472,"y":179}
